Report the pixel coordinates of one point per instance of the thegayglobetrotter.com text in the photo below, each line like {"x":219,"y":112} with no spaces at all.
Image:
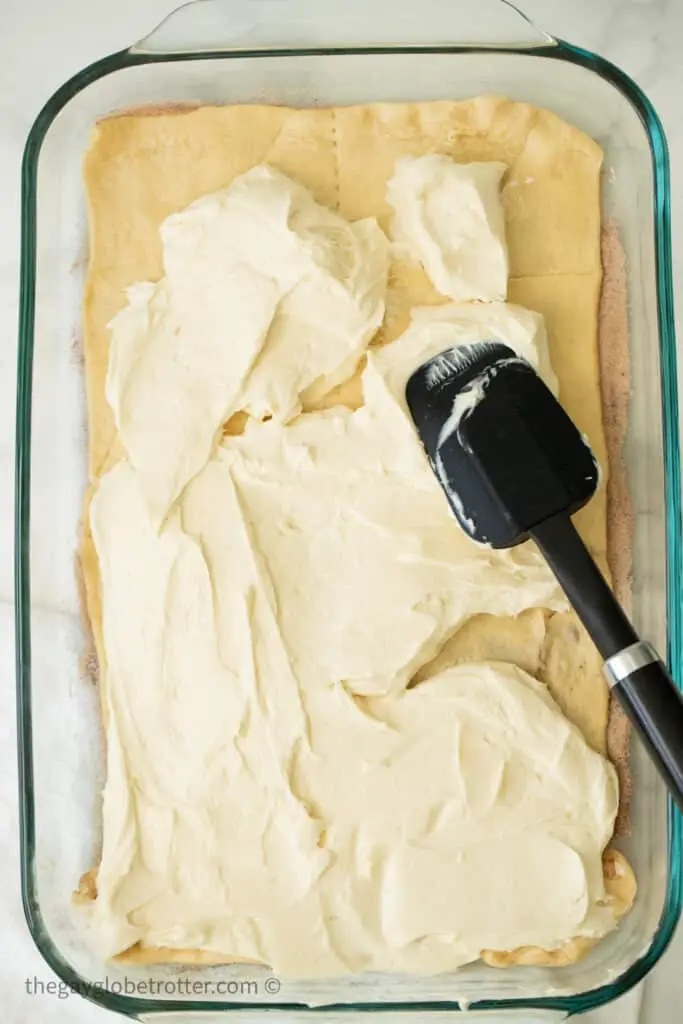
{"x":166,"y":988}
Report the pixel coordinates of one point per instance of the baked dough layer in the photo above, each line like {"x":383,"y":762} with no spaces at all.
{"x":141,"y":167}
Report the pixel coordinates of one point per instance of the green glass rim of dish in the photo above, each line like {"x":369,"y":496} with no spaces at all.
{"x":133,"y":1006}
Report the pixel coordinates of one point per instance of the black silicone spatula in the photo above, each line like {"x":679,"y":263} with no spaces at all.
{"x":513,"y":466}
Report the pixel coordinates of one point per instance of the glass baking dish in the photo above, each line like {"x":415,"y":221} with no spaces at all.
{"x":301,"y":53}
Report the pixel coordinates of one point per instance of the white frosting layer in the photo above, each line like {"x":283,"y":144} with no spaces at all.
{"x":275,"y":790}
{"x":449,"y":217}
{"x":266,"y":295}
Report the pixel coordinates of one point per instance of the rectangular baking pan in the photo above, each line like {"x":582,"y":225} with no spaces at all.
{"x":302,"y":53}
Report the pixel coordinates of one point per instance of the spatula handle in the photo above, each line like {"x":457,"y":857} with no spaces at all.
{"x":584,"y":585}
{"x":636,"y":674}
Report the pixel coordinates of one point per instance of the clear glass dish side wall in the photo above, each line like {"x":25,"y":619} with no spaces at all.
{"x":60,"y":736}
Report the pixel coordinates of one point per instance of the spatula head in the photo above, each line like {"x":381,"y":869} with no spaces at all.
{"x":504,"y":450}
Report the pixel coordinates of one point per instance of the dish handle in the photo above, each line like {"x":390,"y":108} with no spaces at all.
{"x":211,"y":26}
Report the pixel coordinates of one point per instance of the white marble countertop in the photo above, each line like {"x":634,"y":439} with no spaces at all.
{"x":42,"y":43}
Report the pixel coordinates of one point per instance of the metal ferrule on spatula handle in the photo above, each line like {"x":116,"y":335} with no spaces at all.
{"x":628,"y":661}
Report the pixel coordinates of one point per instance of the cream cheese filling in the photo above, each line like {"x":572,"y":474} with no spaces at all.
{"x":266,"y":296}
{"x":276,"y":790}
{"x":449,"y":217}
